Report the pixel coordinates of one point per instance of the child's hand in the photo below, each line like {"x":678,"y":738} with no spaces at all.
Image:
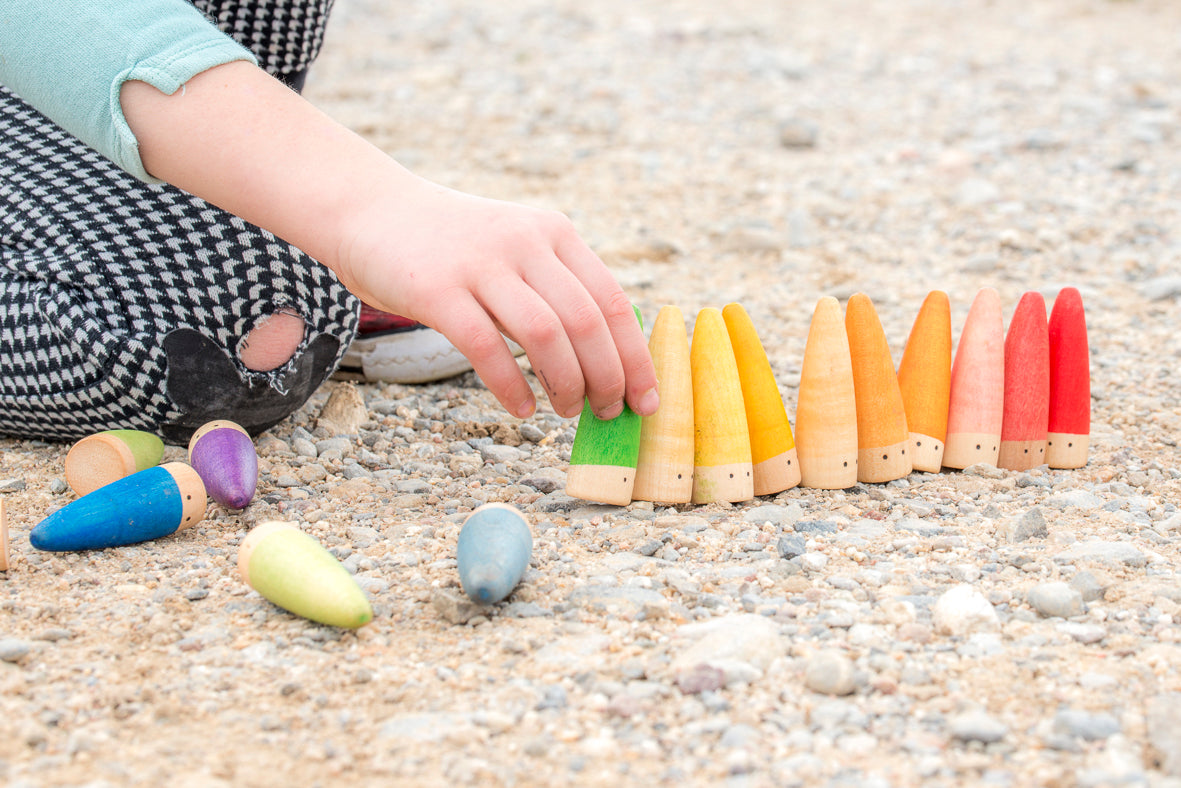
{"x":473,"y":268}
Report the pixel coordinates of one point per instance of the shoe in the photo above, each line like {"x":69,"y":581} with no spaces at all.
{"x":394,"y":349}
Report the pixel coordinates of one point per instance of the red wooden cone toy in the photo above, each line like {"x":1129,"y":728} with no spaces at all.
{"x":1027,"y":386}
{"x":1069,"y":436}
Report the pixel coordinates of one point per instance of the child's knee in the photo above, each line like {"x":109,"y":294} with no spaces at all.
{"x":272,"y":342}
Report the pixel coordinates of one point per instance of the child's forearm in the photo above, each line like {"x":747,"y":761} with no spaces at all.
{"x":243,"y":141}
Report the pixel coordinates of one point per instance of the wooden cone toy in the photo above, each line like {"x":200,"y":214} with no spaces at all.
{"x":604,"y":456}
{"x":493,"y":552}
{"x":976,"y":406}
{"x":924,"y":378}
{"x":1069,"y":436}
{"x":721,"y":442}
{"x":99,"y":459}
{"x":224,"y":455}
{"x":146,"y":505}
{"x":882,"y":434}
{"x":1024,"y":427}
{"x":826,"y":411}
{"x":295,"y":572}
{"x":664,"y":470}
{"x":772,"y":446}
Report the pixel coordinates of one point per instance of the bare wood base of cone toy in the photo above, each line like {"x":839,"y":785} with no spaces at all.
{"x":1021,"y":455}
{"x":884,"y":463}
{"x":970,"y":448}
{"x":835,"y":472}
{"x":611,"y":484}
{"x":96,"y":461}
{"x":779,"y":473}
{"x":1064,"y":450}
{"x":926,"y":453}
{"x":733,"y":482}
{"x":667,"y":483}
{"x":3,"y":539}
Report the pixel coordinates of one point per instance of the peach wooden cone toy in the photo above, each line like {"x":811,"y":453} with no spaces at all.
{"x":1024,"y":428}
{"x":882,"y":435}
{"x":976,"y":407}
{"x":1069,"y":436}
{"x":721,"y":442}
{"x":664,"y":471}
{"x":826,"y":410}
{"x":772,"y":446}
{"x":924,"y":378}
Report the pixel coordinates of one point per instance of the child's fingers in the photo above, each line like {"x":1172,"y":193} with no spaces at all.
{"x":626,"y":334}
{"x":568,"y":317}
{"x":472,"y":331}
{"x":525,"y":316}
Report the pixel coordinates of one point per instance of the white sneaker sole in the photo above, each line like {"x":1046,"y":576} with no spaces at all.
{"x":422,"y":355}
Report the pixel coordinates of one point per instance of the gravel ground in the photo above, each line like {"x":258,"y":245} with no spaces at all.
{"x":967,"y":628}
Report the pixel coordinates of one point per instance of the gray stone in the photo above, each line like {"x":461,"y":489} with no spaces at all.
{"x":1080,"y":499}
{"x":774,"y":514}
{"x":1083,"y":633}
{"x":829,"y":672}
{"x":1103,"y":552}
{"x":790,"y":546}
{"x":13,"y":650}
{"x":798,"y":133}
{"x":1030,"y":525}
{"x":11,"y":485}
{"x":1092,"y":726}
{"x":1087,"y":585}
{"x":977,"y":726}
{"x":454,"y":607}
{"x":1161,"y":288}
{"x":1056,"y":599}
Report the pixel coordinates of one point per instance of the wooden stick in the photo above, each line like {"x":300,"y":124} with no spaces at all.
{"x":604,"y":456}
{"x":826,"y":411}
{"x":1069,"y":437}
{"x":721,"y":444}
{"x":976,"y":406}
{"x":664,"y":469}
{"x":295,"y":572}
{"x":493,"y":552}
{"x":1024,"y":429}
{"x":882,"y":435}
{"x":100,"y":459}
{"x":224,"y":456}
{"x":146,"y":505}
{"x":772,"y":446}
{"x":3,"y":538}
{"x":924,"y":378}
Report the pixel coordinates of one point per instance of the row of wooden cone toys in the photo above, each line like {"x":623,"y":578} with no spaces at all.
{"x":1014,"y":400}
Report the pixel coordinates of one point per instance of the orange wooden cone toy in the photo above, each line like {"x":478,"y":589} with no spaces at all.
{"x":1024,"y":428}
{"x":882,"y":435}
{"x":664,"y":471}
{"x":1069,"y":436}
{"x":976,"y":407}
{"x":772,"y":446}
{"x":721,"y":443}
{"x":924,"y":378}
{"x":826,"y":411}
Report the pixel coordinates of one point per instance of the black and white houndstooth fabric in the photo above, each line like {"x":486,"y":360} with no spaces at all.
{"x":285,"y":35}
{"x":104,"y":278}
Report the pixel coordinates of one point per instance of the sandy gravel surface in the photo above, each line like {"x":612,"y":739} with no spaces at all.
{"x":966,"y":628}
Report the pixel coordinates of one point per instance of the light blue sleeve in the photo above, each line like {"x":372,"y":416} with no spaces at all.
{"x":69,"y":59}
